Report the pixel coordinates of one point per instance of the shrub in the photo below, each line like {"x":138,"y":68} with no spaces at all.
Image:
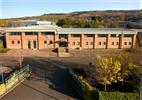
{"x":4,"y":50}
{"x":1,"y":44}
{"x":118,"y":96}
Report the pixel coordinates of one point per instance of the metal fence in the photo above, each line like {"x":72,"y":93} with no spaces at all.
{"x":140,"y":88}
{"x":13,"y":80}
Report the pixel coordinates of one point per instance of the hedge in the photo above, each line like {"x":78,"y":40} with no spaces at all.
{"x":1,"y":44}
{"x":4,"y":50}
{"x":118,"y":96}
{"x":92,"y":93}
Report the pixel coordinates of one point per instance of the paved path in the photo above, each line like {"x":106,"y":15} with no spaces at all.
{"x":47,"y":82}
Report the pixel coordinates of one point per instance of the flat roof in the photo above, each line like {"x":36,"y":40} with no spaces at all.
{"x":36,"y":28}
{"x":60,"y":30}
{"x":96,"y":30}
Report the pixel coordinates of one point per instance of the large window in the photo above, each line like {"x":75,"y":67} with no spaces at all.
{"x":31,"y":33}
{"x":75,"y":35}
{"x":47,"y":33}
{"x":15,"y":33}
{"x":102,"y":35}
{"x":128,"y":35}
{"x":114,"y":35}
{"x":88,"y":35}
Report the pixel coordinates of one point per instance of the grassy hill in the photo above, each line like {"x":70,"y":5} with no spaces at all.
{"x":96,"y":19}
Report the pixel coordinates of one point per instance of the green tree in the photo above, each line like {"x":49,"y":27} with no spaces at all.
{"x":61,"y":22}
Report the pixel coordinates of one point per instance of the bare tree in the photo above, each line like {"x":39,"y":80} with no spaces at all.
{"x":20,"y":59}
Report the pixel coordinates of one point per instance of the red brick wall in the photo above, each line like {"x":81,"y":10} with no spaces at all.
{"x":79,"y":41}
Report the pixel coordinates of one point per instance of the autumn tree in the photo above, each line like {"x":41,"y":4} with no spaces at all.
{"x":127,"y":64}
{"x":106,"y":70}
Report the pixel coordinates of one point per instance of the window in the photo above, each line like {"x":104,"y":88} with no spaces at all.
{"x":112,"y":43}
{"x":50,"y":42}
{"x":47,"y":33}
{"x":130,"y":43}
{"x":86,"y":43}
{"x":102,"y":35}
{"x":113,"y":35}
{"x":125,"y":43}
{"x":99,"y":43}
{"x":12,"y":42}
{"x":34,"y":42}
{"x":29,"y":44}
{"x":63,"y":36}
{"x":75,"y":35}
{"x":104,"y":43}
{"x":45,"y":42}
{"x":31,"y":33}
{"x":117,"y":43}
{"x":128,"y":35}
{"x":18,"y":42}
{"x":91,"y":43}
{"x":15,"y":33}
{"x":73,"y":43}
{"x":88,"y":35}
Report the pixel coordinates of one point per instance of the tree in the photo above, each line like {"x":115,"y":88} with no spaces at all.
{"x":127,"y":64}
{"x":106,"y":70}
{"x":61,"y":22}
{"x":20,"y":59}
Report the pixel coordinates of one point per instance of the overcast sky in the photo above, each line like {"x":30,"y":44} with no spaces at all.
{"x":21,"y":8}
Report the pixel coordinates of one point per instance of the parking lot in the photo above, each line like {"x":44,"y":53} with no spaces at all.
{"x":48,"y":81}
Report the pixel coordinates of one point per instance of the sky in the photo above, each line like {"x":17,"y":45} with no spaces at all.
{"x":21,"y":8}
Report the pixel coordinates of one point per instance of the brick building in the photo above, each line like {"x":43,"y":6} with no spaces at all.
{"x":52,"y":36}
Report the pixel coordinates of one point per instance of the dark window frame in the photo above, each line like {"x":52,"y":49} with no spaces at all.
{"x":102,"y":35}
{"x":12,"y":41}
{"x":100,"y":43}
{"x":88,"y":35}
{"x":18,"y":42}
{"x":45,"y":42}
{"x":127,"y":35}
{"x":15,"y":33}
{"x":125,"y":43}
{"x":47,"y":33}
{"x":113,"y":35}
{"x":112,"y":43}
{"x":31,"y":33}
{"x":76,"y":35}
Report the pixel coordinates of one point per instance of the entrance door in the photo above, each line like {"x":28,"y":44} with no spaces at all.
{"x":63,"y":44}
{"x":29,"y":44}
{"x":34,"y":44}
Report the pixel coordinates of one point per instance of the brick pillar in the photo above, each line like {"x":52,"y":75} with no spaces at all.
{"x":69,"y":43}
{"x":95,"y":41}
{"x":108,"y":41}
{"x":22,"y":40}
{"x":7,"y":40}
{"x":82,"y":40}
{"x":121,"y":41}
{"x":133,"y":40}
{"x":56,"y":40}
{"x":39,"y":38}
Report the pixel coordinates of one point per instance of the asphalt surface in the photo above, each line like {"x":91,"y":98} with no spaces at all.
{"x":48,"y":81}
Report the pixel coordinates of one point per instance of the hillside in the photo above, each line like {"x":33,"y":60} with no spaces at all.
{"x":130,"y":19}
